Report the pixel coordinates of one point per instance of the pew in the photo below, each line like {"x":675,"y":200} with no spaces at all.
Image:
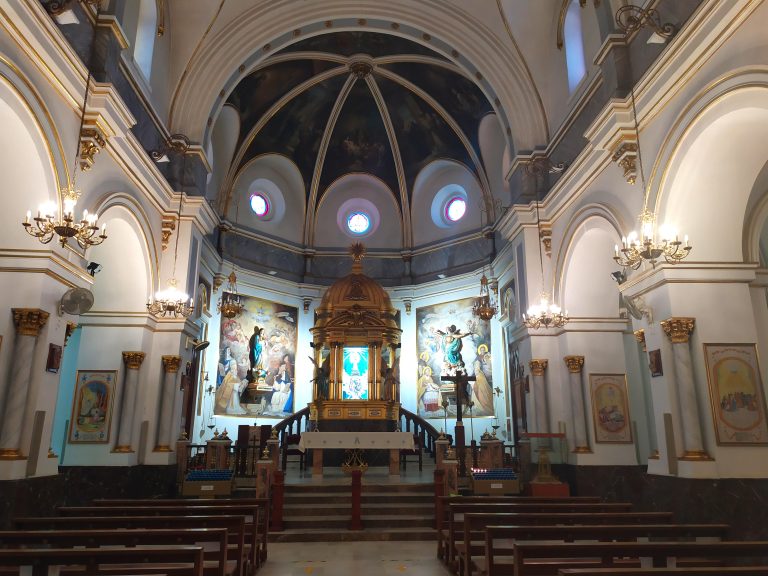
{"x":93,"y":561}
{"x":686,"y":571}
{"x":546,"y":559}
{"x":235,"y":526}
{"x":263,"y":504}
{"x":213,"y":541}
{"x":500,"y":540}
{"x":251,"y":513}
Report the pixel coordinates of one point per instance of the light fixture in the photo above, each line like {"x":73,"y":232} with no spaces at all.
{"x":172,"y":302}
{"x":485,"y":306}
{"x":631,"y":18}
{"x":48,"y":223}
{"x":652,"y":243}
{"x":229,"y":304}
{"x":544,"y":314}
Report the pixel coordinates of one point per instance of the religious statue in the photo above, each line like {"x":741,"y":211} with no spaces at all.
{"x":390,"y":384}
{"x":453,"y":363}
{"x":255,"y":349}
{"x":322,"y":377}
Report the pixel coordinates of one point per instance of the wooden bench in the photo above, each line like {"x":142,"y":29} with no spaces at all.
{"x":457,"y":510}
{"x":181,"y":560}
{"x":546,"y":559}
{"x":213,"y":541}
{"x":687,"y":571}
{"x":500,"y":540}
{"x":235,"y":526}
{"x":250,"y":512}
{"x":263,"y":503}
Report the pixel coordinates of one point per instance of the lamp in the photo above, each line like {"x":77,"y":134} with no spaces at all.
{"x":48,"y":222}
{"x":485,"y":306}
{"x":172,"y":302}
{"x":229,"y":304}
{"x":544,"y":314}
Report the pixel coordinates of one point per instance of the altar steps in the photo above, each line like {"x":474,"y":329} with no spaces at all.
{"x":321,"y":513}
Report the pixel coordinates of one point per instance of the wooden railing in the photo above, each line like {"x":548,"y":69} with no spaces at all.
{"x":420,"y":427}
{"x":296,"y":423}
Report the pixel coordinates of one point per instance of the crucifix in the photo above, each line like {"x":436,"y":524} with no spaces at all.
{"x":460,"y":383}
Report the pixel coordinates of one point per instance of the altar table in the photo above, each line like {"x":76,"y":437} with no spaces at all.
{"x":392,"y":441}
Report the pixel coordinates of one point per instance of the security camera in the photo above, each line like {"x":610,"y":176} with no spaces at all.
{"x":619,"y":277}
{"x":93,"y":268}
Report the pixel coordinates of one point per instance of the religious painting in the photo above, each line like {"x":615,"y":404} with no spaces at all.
{"x":736,"y":394}
{"x":610,"y":409}
{"x":257,"y":352}
{"x":92,"y":407}
{"x":508,"y":303}
{"x":53,"y":362}
{"x":354,"y":373}
{"x":654,"y":363}
{"x":203,"y":304}
{"x":447,"y":334}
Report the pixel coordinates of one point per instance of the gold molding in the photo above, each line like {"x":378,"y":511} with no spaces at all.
{"x":11,"y":454}
{"x":171,"y":363}
{"x":122,"y":450}
{"x":678,"y":329}
{"x":574,"y":363}
{"x":696,"y":456}
{"x":68,"y":331}
{"x":167,"y":227}
{"x":582,"y":450}
{"x":640,"y":337}
{"x":538,"y":366}
{"x":29,"y":321}
{"x":133,"y":359}
{"x":162,"y":448}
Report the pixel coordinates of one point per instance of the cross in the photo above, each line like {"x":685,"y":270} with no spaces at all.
{"x":460,"y":379}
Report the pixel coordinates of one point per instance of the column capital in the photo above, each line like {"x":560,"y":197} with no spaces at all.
{"x":134,"y":359}
{"x":171,"y":363}
{"x":538,"y":366}
{"x":678,"y":329}
{"x":640,"y":337}
{"x":29,"y":321}
{"x":574,"y":363}
{"x":68,"y":331}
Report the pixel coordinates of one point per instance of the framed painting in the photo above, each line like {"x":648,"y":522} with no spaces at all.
{"x":610,"y":408}
{"x":736,"y":394}
{"x":92,"y":407}
{"x":654,"y":363}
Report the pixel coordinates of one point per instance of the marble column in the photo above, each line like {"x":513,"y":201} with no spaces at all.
{"x":132,"y":361}
{"x":538,"y":367}
{"x":165,"y":435}
{"x":679,"y":331}
{"x":28,"y":322}
{"x":580,"y":438}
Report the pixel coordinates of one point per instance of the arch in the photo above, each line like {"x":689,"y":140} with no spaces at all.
{"x":498,"y":67}
{"x":726,"y":122}
{"x":755,"y":241}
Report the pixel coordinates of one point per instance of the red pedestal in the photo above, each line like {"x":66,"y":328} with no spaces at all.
{"x":548,"y":490}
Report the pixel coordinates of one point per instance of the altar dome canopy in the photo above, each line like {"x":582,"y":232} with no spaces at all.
{"x":350,"y":122}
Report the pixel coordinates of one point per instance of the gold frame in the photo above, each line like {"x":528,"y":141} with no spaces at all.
{"x":109,"y":410}
{"x":602,"y":435}
{"x":748,"y":350}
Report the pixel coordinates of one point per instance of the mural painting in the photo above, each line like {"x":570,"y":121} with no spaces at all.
{"x":257,"y":353}
{"x":445,"y":331}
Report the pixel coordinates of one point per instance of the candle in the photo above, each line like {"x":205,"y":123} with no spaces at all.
{"x":29,"y":214}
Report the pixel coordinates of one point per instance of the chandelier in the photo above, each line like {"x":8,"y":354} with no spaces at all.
{"x":229,"y":304}
{"x":485,"y":306}
{"x":48,"y":223}
{"x":172,"y":302}
{"x":646,"y":247}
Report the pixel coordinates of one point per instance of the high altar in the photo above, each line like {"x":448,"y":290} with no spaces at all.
{"x":355,"y":337}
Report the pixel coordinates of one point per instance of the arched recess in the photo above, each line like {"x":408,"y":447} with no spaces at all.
{"x":28,"y":139}
{"x":358,"y":190}
{"x":128,"y":257}
{"x":492,"y":150}
{"x":756,"y":227}
{"x":584,"y":264}
{"x":222,"y":145}
{"x":433,"y":178}
{"x":286,"y":189}
{"x":144,"y":39}
{"x":709,"y":164}
{"x":498,"y":66}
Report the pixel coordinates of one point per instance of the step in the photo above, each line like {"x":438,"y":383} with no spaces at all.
{"x":371,"y":521}
{"x":325,"y":509}
{"x":343,"y":535}
{"x":317,"y":497}
{"x":346,"y":487}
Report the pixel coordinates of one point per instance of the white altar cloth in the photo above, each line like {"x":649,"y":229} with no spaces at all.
{"x":362,"y":440}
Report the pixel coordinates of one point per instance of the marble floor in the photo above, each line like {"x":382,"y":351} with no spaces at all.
{"x":369,"y":558}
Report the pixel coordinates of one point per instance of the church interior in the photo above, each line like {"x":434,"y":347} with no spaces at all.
{"x":518,"y":241}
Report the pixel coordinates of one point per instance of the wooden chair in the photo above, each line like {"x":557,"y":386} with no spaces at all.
{"x":417,"y":451}
{"x":291,"y":448}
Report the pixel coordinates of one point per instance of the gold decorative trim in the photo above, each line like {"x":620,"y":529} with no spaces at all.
{"x":625,"y":156}
{"x":171,"y":363}
{"x":29,"y":321}
{"x":654,"y":455}
{"x":133,"y":359}
{"x":160,"y":17}
{"x":68,"y":331}
{"x":545,"y":234}
{"x":11,"y":454}
{"x":538,"y":366}
{"x":574,"y":363}
{"x":122,"y":450}
{"x":696,"y":456}
{"x":91,"y":142}
{"x":582,"y":450}
{"x":640,"y":337}
{"x":168,"y":226}
{"x":162,"y":448}
{"x":678,"y":329}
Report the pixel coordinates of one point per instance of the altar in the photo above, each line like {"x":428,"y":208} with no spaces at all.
{"x":320,"y":441}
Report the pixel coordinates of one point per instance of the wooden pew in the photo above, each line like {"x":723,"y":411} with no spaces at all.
{"x":102,"y":560}
{"x":250,"y":512}
{"x":263,"y":503}
{"x":500,"y":540}
{"x":234,"y":524}
{"x":546,"y":559}
{"x":687,"y":571}
{"x":213,"y":541}
{"x":457,"y":510}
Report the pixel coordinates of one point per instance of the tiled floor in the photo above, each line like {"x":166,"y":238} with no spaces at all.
{"x":353,"y":558}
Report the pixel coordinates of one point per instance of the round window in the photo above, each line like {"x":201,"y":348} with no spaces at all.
{"x":259,"y":204}
{"x":358,"y":222}
{"x":455,"y":208}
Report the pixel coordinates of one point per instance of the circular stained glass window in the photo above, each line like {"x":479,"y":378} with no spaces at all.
{"x":260,"y":204}
{"x":455,"y":208}
{"x":358,"y":223}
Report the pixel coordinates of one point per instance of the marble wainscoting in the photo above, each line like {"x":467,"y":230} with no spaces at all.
{"x":740,"y":502}
{"x":79,"y":485}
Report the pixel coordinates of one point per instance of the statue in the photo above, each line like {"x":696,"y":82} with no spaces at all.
{"x":322,"y":377}
{"x":453,"y":363}
{"x":255,"y":348}
{"x":390,"y":384}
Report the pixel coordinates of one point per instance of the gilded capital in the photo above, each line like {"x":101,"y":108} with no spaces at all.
{"x":68,"y":331}
{"x":171,"y":363}
{"x":640,"y":337}
{"x":538,"y":366}
{"x":28,"y":321}
{"x":574,"y":363}
{"x":678,"y":329}
{"x":133,"y":360}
